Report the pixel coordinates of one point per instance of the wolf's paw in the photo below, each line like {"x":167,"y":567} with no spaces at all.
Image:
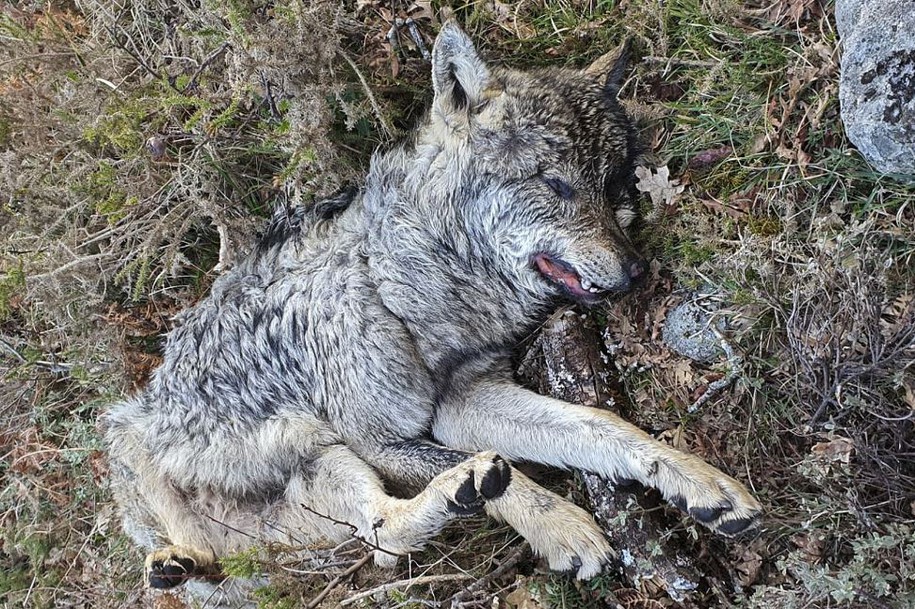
{"x":570,"y":541}
{"x":716,"y":500}
{"x":171,"y":566}
{"x":486,"y":476}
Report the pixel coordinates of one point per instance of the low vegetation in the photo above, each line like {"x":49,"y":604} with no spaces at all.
{"x":142,"y":144}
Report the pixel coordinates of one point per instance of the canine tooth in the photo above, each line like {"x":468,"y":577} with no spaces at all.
{"x":586,"y":284}
{"x":593,"y":290}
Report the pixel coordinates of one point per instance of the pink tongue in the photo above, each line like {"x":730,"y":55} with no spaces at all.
{"x":559,"y":274}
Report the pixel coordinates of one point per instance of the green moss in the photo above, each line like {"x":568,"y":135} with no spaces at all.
{"x":6,"y":131}
{"x":764,"y":226}
{"x":244,"y":564}
{"x":104,"y":190}
{"x":12,"y":283}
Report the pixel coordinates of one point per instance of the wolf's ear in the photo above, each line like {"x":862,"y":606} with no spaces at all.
{"x":459,"y":76}
{"x":612,"y":66}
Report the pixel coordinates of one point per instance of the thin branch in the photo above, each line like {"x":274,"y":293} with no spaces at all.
{"x":336,"y":582}
{"x":376,"y":108}
{"x":405,"y":583}
{"x":510,"y":561}
{"x":204,"y":65}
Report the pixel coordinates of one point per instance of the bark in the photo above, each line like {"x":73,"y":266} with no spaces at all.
{"x":567,"y":362}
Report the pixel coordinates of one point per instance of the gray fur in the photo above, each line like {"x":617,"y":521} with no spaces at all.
{"x":370,"y":339}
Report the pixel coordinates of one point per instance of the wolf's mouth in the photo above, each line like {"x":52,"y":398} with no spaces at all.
{"x":565,"y":276}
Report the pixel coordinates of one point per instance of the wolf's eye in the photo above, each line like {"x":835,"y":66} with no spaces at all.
{"x":563,"y":189}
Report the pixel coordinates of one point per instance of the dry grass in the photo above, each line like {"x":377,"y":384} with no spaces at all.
{"x":142,"y":143}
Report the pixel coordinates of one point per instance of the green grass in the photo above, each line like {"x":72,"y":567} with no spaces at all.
{"x":81,"y":189}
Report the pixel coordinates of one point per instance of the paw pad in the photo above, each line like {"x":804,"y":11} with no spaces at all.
{"x":470,"y":496}
{"x":170,"y":572}
{"x":496,"y":480}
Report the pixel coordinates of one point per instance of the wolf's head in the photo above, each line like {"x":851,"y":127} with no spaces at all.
{"x":539,"y":166}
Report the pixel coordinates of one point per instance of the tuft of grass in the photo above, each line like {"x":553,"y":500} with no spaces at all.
{"x":809,"y":251}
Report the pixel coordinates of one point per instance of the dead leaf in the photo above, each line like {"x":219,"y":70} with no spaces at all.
{"x":521,"y":598}
{"x":748,"y":567}
{"x":421,"y":9}
{"x":836,"y":450}
{"x":810,"y":545}
{"x":663,"y":191}
{"x":168,"y":600}
{"x":634,"y":599}
{"x":706,"y":158}
{"x":718,"y":207}
{"x":910,"y":397}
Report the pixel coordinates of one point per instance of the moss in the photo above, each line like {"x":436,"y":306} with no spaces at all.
{"x":102,"y":187}
{"x":764,"y":226}
{"x":12,"y":284}
{"x":6,"y":131}
{"x":245,"y":564}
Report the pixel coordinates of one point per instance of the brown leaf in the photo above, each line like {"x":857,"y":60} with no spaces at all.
{"x":748,"y":567}
{"x":836,"y":450}
{"x":710,"y":157}
{"x":168,"y":601}
{"x":720,"y":208}
{"x":521,"y":598}
{"x":811,"y":545}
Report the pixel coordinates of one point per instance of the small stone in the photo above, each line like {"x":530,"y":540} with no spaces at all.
{"x":156,"y":146}
{"x":877,"y":82}
{"x":690,"y":331}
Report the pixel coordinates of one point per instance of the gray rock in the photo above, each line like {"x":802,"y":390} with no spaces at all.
{"x":690,"y":331}
{"x":877,"y":82}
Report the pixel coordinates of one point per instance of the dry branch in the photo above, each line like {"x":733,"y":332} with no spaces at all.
{"x":567,"y":362}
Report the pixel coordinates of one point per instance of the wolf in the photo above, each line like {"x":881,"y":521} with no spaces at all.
{"x":366,"y":345}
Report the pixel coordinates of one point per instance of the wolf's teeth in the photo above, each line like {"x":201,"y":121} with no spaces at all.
{"x":585,"y":284}
{"x":593,"y":290}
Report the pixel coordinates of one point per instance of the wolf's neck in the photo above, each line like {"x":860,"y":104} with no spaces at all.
{"x":443,"y":283}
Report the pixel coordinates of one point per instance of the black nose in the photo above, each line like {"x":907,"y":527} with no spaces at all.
{"x":635,"y":268}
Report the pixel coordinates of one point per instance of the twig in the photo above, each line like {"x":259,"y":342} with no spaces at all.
{"x":336,"y":582}
{"x":203,"y":66}
{"x":136,"y":57}
{"x":735,"y":369}
{"x":405,"y":583}
{"x":410,"y":24}
{"x":510,"y":561}
{"x":353,"y":529}
{"x":376,"y":108}
{"x":268,"y":95}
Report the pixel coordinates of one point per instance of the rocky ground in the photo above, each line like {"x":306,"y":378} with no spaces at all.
{"x":143,"y":143}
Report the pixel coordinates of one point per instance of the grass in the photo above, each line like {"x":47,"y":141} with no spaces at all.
{"x":132,"y":143}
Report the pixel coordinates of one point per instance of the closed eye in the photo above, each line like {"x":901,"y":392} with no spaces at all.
{"x":563,"y":189}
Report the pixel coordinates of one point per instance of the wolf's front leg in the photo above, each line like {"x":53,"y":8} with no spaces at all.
{"x":522,"y":425}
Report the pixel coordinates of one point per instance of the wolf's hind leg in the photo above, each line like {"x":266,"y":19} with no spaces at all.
{"x":340,"y":495}
{"x":558,"y":530}
{"x":173,"y":565}
{"x":155,"y":514}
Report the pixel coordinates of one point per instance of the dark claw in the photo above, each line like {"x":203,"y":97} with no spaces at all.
{"x":573,"y":570}
{"x":706,"y":514}
{"x":711,"y":513}
{"x":170,"y":574}
{"x":680,"y":502}
{"x":738,"y":525}
{"x":624,"y":482}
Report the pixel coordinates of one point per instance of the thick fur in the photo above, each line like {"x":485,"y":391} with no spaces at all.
{"x":368,"y":342}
